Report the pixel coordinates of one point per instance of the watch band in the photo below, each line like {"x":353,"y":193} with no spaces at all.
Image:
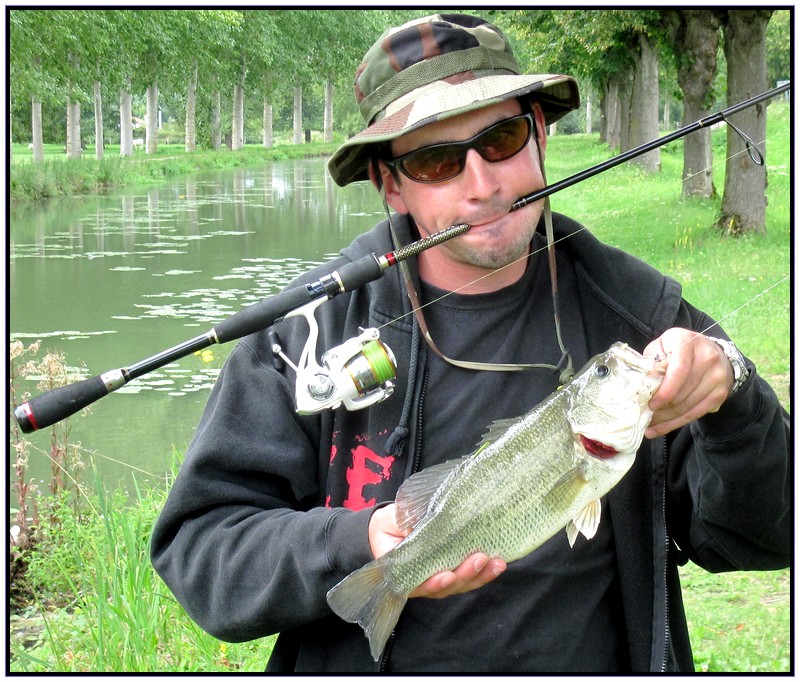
{"x":735,"y":357}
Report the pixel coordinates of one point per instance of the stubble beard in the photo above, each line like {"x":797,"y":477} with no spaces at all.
{"x":499,"y":254}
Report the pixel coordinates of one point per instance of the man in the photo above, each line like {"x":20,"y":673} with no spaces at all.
{"x":272,"y":509}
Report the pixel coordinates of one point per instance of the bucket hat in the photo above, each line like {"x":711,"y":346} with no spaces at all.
{"x":430,"y":69}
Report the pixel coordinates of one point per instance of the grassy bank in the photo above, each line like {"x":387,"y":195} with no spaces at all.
{"x":100,"y":606}
{"x":96,"y":604}
{"x":57,"y":175}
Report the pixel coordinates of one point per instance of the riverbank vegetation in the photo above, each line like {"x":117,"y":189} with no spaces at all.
{"x":232,"y":76}
{"x":88,"y":600}
{"x":58,"y":175}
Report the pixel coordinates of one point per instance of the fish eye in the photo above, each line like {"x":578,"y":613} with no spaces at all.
{"x":601,"y":370}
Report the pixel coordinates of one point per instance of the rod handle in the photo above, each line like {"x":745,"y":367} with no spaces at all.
{"x":260,"y":315}
{"x":58,"y":404}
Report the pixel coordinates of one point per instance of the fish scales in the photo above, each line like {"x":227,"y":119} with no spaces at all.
{"x":514,"y":502}
{"x":532,"y":477}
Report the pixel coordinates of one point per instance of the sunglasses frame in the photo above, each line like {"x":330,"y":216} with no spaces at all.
{"x":397,"y":162}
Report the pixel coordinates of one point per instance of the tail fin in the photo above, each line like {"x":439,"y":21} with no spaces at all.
{"x":363,"y":597}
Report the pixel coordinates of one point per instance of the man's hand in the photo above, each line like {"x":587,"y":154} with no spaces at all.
{"x":698,"y":379}
{"x":476,"y":570}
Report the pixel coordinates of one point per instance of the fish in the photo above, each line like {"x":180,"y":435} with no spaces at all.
{"x":530,"y":477}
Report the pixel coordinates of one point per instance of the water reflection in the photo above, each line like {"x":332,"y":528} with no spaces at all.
{"x":112,"y":279}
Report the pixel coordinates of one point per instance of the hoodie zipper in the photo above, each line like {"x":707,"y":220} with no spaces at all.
{"x":666,"y":560}
{"x":384,"y":659}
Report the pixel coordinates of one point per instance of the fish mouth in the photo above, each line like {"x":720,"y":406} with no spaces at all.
{"x":596,"y":448}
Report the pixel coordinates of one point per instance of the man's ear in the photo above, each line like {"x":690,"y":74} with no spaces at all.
{"x":382,"y":177}
{"x":541,"y":127}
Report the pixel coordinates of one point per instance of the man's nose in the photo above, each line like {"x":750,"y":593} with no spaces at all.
{"x":480,"y":177}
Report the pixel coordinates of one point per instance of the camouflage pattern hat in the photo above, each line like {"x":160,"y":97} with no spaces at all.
{"x":433,"y":68}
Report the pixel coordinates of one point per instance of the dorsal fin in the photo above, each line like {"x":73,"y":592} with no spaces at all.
{"x":414,"y":496}
{"x":497,"y":429}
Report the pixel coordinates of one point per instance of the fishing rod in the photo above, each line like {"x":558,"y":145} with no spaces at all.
{"x":64,"y":401}
{"x":705,"y":122}
{"x":360,"y":371}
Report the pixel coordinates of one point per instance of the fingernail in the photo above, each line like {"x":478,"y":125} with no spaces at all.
{"x":479,"y":564}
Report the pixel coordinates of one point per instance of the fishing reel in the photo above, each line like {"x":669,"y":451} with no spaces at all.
{"x":358,"y":373}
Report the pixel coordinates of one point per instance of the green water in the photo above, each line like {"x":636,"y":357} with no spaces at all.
{"x":111,"y":280}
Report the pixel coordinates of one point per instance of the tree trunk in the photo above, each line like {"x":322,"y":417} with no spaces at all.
{"x":125,"y":122}
{"x":327,"y":134}
{"x":151,"y":117}
{"x":68,"y":146}
{"x":611,"y":113}
{"x":644,"y":105}
{"x":695,"y":40}
{"x":238,"y":117}
{"x":190,"y":133}
{"x":588,"y":116}
{"x":238,"y":110}
{"x":216,"y":126}
{"x":73,"y":148}
{"x":625,"y":80}
{"x":99,"y":143}
{"x":36,"y":130}
{"x":744,"y":202}
{"x":297,"y":133}
{"x":267,"y":125}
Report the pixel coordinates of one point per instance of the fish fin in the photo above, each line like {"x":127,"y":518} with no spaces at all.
{"x":572,"y":533}
{"x":414,"y":496}
{"x":364,"y":597}
{"x":587,"y":521}
{"x":567,"y":488}
{"x":497,"y":429}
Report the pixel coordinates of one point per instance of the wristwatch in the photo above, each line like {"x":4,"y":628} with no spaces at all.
{"x":735,"y":357}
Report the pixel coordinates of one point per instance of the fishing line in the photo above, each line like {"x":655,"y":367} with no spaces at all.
{"x":597,"y":221}
{"x":658,"y":357}
{"x":302,"y":300}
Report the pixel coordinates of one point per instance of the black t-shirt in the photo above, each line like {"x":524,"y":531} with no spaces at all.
{"x":558,"y":609}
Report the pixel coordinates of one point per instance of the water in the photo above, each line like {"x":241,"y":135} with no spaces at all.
{"x":111,"y":280}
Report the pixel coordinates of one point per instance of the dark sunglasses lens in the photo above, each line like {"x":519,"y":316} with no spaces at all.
{"x":435,"y":163}
{"x":445,"y":161}
{"x":504,"y":140}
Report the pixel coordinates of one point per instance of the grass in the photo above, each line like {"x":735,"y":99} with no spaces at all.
{"x":57,"y":175}
{"x":739,"y":622}
{"x":104,"y":609}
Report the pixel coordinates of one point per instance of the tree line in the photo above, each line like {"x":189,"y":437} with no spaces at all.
{"x":222,"y":69}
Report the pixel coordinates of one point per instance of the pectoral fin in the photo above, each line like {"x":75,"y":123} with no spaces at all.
{"x":564,"y":491}
{"x":586,"y":522}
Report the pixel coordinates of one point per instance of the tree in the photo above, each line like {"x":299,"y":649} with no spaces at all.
{"x":616,"y":50}
{"x":30,"y":80}
{"x":744,"y":201}
{"x":694,"y":36}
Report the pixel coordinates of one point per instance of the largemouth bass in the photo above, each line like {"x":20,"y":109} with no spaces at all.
{"x":530,"y":477}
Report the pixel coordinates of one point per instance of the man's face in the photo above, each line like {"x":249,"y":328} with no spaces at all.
{"x":480,"y":195}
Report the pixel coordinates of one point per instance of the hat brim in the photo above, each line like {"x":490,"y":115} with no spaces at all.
{"x":556,"y":94}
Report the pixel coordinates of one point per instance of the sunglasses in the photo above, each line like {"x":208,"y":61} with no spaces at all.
{"x":440,"y":162}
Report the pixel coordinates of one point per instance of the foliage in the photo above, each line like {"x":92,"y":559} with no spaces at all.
{"x":779,"y":46}
{"x":104,"y":609}
{"x":60,"y":176}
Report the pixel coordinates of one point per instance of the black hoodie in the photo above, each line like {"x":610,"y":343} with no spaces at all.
{"x":261,"y":521}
